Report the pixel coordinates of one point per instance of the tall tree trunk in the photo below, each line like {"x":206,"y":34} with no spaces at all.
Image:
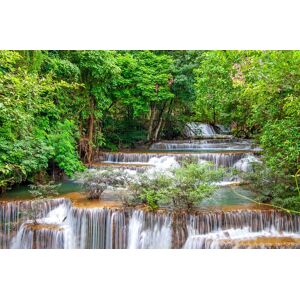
{"x":91,"y":132}
{"x":167,"y":115}
{"x":157,"y":129}
{"x":151,"y":122}
{"x":159,"y":123}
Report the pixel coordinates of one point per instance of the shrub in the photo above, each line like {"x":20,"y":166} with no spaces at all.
{"x":95,"y":182}
{"x":268,"y":183}
{"x":184,"y":188}
{"x":41,"y":191}
{"x":292,"y":203}
{"x":152,"y":191}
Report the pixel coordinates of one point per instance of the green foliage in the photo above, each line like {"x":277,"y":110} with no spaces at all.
{"x":185,"y":188}
{"x":281,"y":141}
{"x":28,"y":116}
{"x":41,"y":191}
{"x":258,"y":93}
{"x":141,"y":95}
{"x":64,"y":147}
{"x":291,"y":203}
{"x":214,"y":86}
{"x":153,"y":191}
{"x":61,"y":106}
{"x":270,"y":184}
{"x":95,"y":182}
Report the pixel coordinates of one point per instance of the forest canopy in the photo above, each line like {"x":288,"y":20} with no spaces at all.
{"x":59,"y":108}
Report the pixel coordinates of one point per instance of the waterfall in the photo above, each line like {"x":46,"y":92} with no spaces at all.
{"x":245,"y":163}
{"x":98,"y":228}
{"x":219,"y":159}
{"x":102,"y":228}
{"x":56,"y":224}
{"x":240,"y":238}
{"x":14,"y":214}
{"x":228,"y":229}
{"x":205,"y":145}
{"x":65,"y":226}
{"x":256,"y":220}
{"x":32,"y":236}
{"x":50,"y":231}
{"x":149,"y":231}
{"x":195,"y":129}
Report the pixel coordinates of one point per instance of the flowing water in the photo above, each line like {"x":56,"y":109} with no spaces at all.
{"x":219,"y":159}
{"x":14,"y":214}
{"x":195,"y":129}
{"x":225,"y":220}
{"x":206,"y":145}
{"x":65,"y":226}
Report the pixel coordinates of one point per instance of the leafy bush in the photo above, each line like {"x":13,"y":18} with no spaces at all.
{"x":183,"y":189}
{"x":268,"y":183}
{"x":41,"y":191}
{"x":95,"y":182}
{"x":281,"y":143}
{"x":153,"y":191}
{"x":64,"y":147}
{"x":292,"y":203}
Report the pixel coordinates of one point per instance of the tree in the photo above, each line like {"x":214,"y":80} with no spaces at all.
{"x":155,"y":88}
{"x":272,"y":86}
{"x":95,"y":182}
{"x":180,"y":108}
{"x":98,"y":70}
{"x":214,"y":86}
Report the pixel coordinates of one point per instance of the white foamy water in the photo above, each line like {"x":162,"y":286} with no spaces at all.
{"x":60,"y":236}
{"x":161,"y":165}
{"x":219,"y":238}
{"x":206,"y":145}
{"x":103,"y":228}
{"x":245,"y":163}
{"x":149,"y":231}
{"x":195,"y":129}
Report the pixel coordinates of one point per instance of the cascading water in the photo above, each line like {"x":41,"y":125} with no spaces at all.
{"x":66,"y":226}
{"x":205,"y":145}
{"x":219,"y":159}
{"x":235,"y":238}
{"x":245,"y":163}
{"x":49,"y":232}
{"x":98,"y":228}
{"x":31,"y":236}
{"x":195,"y":129}
{"x":149,"y":231}
{"x":222,"y":150}
{"x":60,"y":225}
{"x":227,"y":229}
{"x":14,"y":214}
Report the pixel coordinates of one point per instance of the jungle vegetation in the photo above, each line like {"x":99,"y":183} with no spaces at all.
{"x":58,"y":109}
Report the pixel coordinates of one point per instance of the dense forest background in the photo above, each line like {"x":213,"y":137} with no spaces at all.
{"x":59,"y":108}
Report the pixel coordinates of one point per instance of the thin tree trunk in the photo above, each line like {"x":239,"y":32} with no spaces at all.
{"x":167,"y":116}
{"x":91,"y":132}
{"x":159,"y":124}
{"x":151,"y":122}
{"x":157,"y":130}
